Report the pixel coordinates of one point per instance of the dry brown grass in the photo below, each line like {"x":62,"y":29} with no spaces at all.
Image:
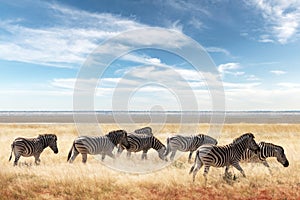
{"x":56,"y":179}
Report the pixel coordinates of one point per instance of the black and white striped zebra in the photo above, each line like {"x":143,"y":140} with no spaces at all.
{"x":143,"y":142}
{"x":220,"y":156}
{"x":266,"y":150}
{"x":33,"y":147}
{"x":94,"y":145}
{"x":187,"y":143}
{"x":145,"y":130}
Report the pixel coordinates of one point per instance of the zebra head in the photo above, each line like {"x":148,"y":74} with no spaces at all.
{"x":162,"y":152}
{"x":279,"y":153}
{"x":50,"y":140}
{"x":119,"y":137}
{"x":252,"y":145}
{"x":249,"y":142}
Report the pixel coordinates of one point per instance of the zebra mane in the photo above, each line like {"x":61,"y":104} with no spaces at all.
{"x":116,"y":132}
{"x":49,"y":135}
{"x":243,"y":137}
{"x":267,"y":144}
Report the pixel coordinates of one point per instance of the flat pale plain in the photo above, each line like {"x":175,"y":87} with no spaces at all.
{"x":54,"y":178}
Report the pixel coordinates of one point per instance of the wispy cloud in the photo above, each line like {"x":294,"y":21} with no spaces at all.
{"x":66,"y":42}
{"x":230,"y":68}
{"x":281,"y":19}
{"x":278,"y":72}
{"x":252,"y":77}
{"x":218,"y":50}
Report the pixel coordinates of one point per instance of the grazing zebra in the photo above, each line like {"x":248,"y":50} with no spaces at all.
{"x":187,"y":143}
{"x":33,"y":147}
{"x":220,"y":156}
{"x":146,"y":130}
{"x":266,"y":150}
{"x":143,"y":142}
{"x":93,"y":145}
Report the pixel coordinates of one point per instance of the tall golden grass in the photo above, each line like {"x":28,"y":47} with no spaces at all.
{"x":54,"y":178}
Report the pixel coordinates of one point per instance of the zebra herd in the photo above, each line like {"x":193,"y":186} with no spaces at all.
{"x":243,"y":148}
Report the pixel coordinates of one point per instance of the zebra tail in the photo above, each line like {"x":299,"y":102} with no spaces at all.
{"x":71,"y":150}
{"x":12,"y":148}
{"x":193,"y":167}
{"x":168,"y":147}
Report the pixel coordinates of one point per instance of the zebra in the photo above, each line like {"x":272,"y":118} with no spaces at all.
{"x":143,"y":142}
{"x":220,"y":156}
{"x":145,"y":130}
{"x":93,"y":145}
{"x":266,"y":150}
{"x":187,"y":143}
{"x":33,"y":147}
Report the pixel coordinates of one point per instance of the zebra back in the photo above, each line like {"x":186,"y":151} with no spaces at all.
{"x":145,"y":130}
{"x":189,"y":143}
{"x":140,"y":142}
{"x":206,"y":139}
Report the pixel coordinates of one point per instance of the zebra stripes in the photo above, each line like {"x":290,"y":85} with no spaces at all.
{"x":33,"y":147}
{"x":143,"y":142}
{"x":146,"y":130}
{"x":220,"y":156}
{"x":187,"y":143}
{"x":266,"y":150}
{"x":93,"y":145}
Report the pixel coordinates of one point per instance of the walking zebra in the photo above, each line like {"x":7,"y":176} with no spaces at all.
{"x":220,"y":156}
{"x":266,"y":150}
{"x":146,"y":130}
{"x":33,"y":147}
{"x":143,"y":142}
{"x":93,"y":145}
{"x":187,"y":143}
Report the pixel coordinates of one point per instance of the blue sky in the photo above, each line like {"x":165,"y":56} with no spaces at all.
{"x":254,"y":44}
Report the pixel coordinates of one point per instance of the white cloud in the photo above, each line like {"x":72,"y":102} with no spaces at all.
{"x":196,"y":23}
{"x":230,"y":68}
{"x":262,"y":99}
{"x":252,"y":78}
{"x":278,"y":72}
{"x":241,"y":85}
{"x":282,"y":19}
{"x":289,"y":85}
{"x":218,"y":50}
{"x":72,"y":35}
{"x":186,"y":6}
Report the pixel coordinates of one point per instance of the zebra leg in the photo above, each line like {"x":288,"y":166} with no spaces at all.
{"x":206,"y":169}
{"x":128,"y":154}
{"x":17,"y":157}
{"x":75,"y":154}
{"x":190,"y":157}
{"x":226,"y":171}
{"x":173,"y":154}
{"x":198,"y":167}
{"x":144,"y":155}
{"x":84,"y":157}
{"x":37,"y":159}
{"x":120,"y":150}
{"x":103,"y":157}
{"x":238,"y":167}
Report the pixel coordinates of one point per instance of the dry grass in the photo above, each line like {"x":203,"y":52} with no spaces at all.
{"x":56,"y":179}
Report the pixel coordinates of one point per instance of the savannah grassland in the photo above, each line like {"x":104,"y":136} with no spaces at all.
{"x":54,"y":178}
